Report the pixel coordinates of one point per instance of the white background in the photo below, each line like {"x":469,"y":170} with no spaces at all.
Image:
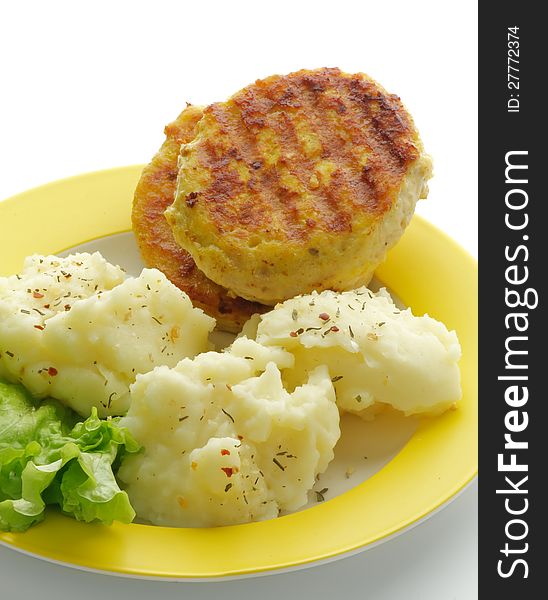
{"x":90,"y":85}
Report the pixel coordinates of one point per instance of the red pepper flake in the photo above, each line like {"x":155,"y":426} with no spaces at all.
{"x":37,"y":295}
{"x":335,"y":328}
{"x":293,"y":333}
{"x":240,"y":437}
{"x":67,"y":307}
{"x":191,"y":199}
{"x":228,"y":471}
{"x":324,"y":316}
{"x":46,"y":305}
{"x":40,"y":327}
{"x":52,"y":371}
{"x":225,"y":452}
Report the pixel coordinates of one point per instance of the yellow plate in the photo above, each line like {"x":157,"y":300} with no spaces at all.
{"x":427,"y":270}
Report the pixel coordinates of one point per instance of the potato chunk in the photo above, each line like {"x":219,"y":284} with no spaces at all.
{"x":375,"y":352}
{"x":224,"y":441}
{"x":78,"y":330}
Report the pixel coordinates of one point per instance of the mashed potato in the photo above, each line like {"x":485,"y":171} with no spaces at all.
{"x":224,"y":441}
{"x":375,"y":352}
{"x":76,"y":329}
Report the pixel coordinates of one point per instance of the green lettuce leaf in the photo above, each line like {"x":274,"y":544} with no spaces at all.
{"x":48,"y":457}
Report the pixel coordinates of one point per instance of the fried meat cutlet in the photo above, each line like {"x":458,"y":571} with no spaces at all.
{"x":298,"y":183}
{"x":154,"y":193}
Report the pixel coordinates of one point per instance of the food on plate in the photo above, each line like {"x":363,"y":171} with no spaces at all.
{"x":223,"y":437}
{"x":298,"y":183}
{"x":78,"y":330}
{"x":376,"y":353}
{"x":154,"y":193}
{"x":224,"y":441}
{"x":48,"y":457}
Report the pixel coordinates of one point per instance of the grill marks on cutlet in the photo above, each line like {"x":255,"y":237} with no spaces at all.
{"x":346,"y":113}
{"x":315,"y":206}
{"x":363,"y":180}
{"x":241,"y":147}
{"x":283,"y":125}
{"x":390,"y":134}
{"x":263,"y":202}
{"x":364,"y":114}
{"x":335,"y":197}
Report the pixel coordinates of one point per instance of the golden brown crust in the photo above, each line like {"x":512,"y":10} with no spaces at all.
{"x":263,"y":151}
{"x":154,"y":193}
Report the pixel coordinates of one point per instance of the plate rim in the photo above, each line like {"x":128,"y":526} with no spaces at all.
{"x":266,"y":573}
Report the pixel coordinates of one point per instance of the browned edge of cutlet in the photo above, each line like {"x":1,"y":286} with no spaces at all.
{"x":154,"y":193}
